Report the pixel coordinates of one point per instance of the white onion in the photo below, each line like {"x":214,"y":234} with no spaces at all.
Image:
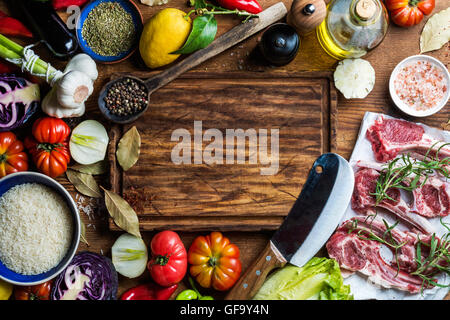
{"x":129,"y":255}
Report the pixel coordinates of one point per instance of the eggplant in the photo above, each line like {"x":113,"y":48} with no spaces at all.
{"x":45,"y":23}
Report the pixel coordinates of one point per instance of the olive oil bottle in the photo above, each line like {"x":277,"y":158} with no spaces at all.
{"x":352,"y":28}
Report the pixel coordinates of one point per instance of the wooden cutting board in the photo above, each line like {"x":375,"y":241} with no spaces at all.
{"x":208,"y":195}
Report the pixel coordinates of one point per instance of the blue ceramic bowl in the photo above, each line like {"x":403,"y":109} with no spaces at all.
{"x":14,"y":179}
{"x":131,"y":8}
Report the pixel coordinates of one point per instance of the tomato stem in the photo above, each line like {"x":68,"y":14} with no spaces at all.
{"x":162,"y":260}
{"x":213,"y":261}
{"x":49,"y":147}
{"x":3,"y":157}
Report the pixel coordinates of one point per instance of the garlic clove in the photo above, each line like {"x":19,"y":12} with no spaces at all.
{"x":73,"y":89}
{"x":83,"y":63}
{"x":51,"y":107}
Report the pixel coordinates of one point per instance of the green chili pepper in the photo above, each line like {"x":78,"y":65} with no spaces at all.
{"x":187,"y":295}
{"x":206,"y":298}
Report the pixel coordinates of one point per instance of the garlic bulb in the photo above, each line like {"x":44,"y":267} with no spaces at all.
{"x":83,"y":63}
{"x":73,"y":89}
{"x":355,"y":78}
{"x":154,"y":2}
{"x":51,"y":107}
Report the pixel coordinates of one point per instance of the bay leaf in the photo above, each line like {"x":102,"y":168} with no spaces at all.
{"x":436,"y":31}
{"x":122,"y":213}
{"x":129,"y":149}
{"x":204,"y":29}
{"x":84,"y":183}
{"x":97,"y":168}
{"x":83,"y":234}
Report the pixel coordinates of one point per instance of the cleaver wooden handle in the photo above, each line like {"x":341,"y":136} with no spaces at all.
{"x":249,"y":284}
{"x":227,"y":40}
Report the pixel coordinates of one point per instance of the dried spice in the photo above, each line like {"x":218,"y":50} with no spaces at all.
{"x":129,"y":149}
{"x":84,"y":183}
{"x":126,"y":97}
{"x":122,"y":213}
{"x":109,"y":29}
{"x":97,"y":168}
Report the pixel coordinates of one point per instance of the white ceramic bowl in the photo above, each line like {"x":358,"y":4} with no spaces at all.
{"x":14,"y":179}
{"x":405,"y":108}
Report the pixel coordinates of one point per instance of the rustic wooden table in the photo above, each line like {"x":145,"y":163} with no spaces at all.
{"x":398,"y":44}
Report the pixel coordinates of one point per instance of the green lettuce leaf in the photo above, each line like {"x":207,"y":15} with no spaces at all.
{"x":319,"y":279}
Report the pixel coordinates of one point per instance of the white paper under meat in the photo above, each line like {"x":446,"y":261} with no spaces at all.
{"x":359,"y":284}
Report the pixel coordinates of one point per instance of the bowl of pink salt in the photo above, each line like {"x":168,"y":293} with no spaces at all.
{"x":419,"y":85}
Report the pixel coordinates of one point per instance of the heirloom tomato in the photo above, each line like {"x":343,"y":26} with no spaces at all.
{"x":214,"y":261}
{"x":37,"y":292}
{"x":49,"y":146}
{"x":168,"y":264}
{"x":407,"y":13}
{"x":12,"y":157}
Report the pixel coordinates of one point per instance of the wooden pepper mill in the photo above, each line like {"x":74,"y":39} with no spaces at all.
{"x":306,"y":15}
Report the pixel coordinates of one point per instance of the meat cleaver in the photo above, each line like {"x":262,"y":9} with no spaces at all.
{"x":311,"y":221}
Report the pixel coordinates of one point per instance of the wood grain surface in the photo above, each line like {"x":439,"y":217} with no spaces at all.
{"x":398,"y":44}
{"x":228,"y":196}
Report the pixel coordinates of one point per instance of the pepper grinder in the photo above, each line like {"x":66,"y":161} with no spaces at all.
{"x":306,"y":15}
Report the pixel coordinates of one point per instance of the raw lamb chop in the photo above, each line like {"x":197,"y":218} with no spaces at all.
{"x":432,"y":199}
{"x":354,"y":252}
{"x":363,"y":201}
{"x":389,"y":137}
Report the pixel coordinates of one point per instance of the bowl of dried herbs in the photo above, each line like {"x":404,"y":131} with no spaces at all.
{"x":109,"y":30}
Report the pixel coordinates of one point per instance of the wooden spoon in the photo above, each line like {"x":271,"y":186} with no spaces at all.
{"x":227,"y":40}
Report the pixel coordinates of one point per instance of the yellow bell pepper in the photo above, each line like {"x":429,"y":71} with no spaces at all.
{"x":6,"y":290}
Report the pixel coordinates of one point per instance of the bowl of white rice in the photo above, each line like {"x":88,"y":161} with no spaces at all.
{"x":39,"y":228}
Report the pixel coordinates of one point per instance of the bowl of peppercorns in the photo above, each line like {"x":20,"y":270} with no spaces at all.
{"x":124,"y":100}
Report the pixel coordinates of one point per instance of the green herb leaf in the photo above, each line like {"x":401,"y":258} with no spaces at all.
{"x":83,"y":234}
{"x":129,"y":149}
{"x":84,"y":183}
{"x":204,"y":29}
{"x":122,"y":213}
{"x":199,"y":4}
{"x":97,"y":168}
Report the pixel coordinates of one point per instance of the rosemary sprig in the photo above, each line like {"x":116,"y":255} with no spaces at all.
{"x":387,"y":238}
{"x":409,"y":174}
{"x":437,"y":260}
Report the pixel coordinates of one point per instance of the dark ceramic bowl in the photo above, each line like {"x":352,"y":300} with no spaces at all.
{"x":14,"y":179}
{"x":129,"y":7}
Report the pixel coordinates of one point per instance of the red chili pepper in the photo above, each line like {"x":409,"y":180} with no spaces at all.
{"x":251,"y":6}
{"x":63,"y":4}
{"x":13,"y":27}
{"x":6,"y":67}
{"x":149,"y":291}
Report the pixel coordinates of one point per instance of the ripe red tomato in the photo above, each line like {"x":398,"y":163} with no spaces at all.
{"x":214,"y":261}
{"x":407,"y":13}
{"x":12,"y":157}
{"x":37,"y":292}
{"x":168,"y":264}
{"x":49,"y":146}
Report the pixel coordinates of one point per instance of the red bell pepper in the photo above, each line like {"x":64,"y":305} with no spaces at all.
{"x":149,"y":291}
{"x":13,"y":27}
{"x":63,"y":4}
{"x":251,"y":6}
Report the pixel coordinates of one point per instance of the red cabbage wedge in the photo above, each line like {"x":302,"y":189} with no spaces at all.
{"x":89,"y":276}
{"x":19,"y":100}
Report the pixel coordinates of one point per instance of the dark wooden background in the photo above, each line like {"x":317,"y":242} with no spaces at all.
{"x":398,"y":44}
